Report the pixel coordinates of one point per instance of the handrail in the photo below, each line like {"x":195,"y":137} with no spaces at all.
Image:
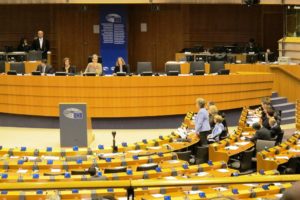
{"x":286,"y":72}
{"x":147,"y":183}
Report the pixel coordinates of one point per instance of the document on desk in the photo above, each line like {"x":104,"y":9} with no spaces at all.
{"x":223,"y":170}
{"x":134,"y":151}
{"x":22,"y":171}
{"x":157,"y":195}
{"x":193,"y":192}
{"x":294,"y":150}
{"x":170,"y":178}
{"x":231,"y":147}
{"x":282,"y":157}
{"x":241,"y":143}
{"x":245,"y":133}
{"x":201,"y":174}
{"x":154,"y":148}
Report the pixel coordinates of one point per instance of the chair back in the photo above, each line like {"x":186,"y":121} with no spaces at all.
{"x":146,"y":167}
{"x":264,"y":144}
{"x":2,"y":66}
{"x":202,"y":154}
{"x":199,"y":65}
{"x":144,"y":67}
{"x":172,"y":67}
{"x":115,"y":170}
{"x":216,"y":66}
{"x":246,"y":160}
{"x":185,"y":155}
{"x":19,"y":67}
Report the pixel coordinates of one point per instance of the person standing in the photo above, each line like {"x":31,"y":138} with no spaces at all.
{"x":41,"y":44}
{"x":202,"y":126}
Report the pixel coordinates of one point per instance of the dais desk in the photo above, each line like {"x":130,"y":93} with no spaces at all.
{"x":134,"y":96}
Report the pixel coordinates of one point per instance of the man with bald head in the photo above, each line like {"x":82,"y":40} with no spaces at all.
{"x":41,"y":44}
{"x":292,"y":193}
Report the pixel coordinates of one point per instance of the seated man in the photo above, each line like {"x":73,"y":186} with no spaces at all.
{"x":261,"y":133}
{"x":44,"y":68}
{"x":275,"y":127}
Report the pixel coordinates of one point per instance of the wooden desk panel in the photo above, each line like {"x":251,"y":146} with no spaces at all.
{"x":130,"y":96}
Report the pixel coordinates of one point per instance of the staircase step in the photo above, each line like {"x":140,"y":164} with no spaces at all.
{"x":285,"y":106}
{"x":278,"y":100}
{"x":288,"y":113}
{"x":274,"y":94}
{"x":288,"y":120}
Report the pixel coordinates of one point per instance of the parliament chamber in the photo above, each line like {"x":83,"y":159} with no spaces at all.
{"x":150,"y":99}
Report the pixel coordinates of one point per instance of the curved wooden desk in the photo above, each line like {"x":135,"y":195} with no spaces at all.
{"x":130,"y":96}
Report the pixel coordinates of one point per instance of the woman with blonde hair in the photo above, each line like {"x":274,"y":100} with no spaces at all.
{"x":212,"y":110}
{"x":217,"y":130}
{"x":121,"y":66}
{"x":94,"y":66}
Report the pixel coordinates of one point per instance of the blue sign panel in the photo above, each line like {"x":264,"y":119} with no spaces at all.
{"x":113,"y":39}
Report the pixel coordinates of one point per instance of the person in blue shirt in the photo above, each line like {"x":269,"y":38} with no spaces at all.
{"x":217,"y":130}
{"x":202,"y":126}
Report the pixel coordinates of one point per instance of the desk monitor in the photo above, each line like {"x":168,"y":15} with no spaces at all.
{"x":197,"y":49}
{"x":262,"y":57}
{"x":230,"y":49}
{"x":121,"y":73}
{"x":89,"y":74}
{"x":224,"y":72}
{"x":149,"y":73}
{"x":220,"y":57}
{"x":189,"y":58}
{"x":60,"y":73}
{"x":172,"y":73}
{"x":219,"y":49}
{"x":199,"y":72}
{"x":16,"y":56}
{"x":12,"y":72}
{"x":201,"y":58}
{"x":36,"y":73}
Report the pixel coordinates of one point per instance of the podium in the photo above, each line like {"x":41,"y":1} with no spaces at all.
{"x":75,"y":125}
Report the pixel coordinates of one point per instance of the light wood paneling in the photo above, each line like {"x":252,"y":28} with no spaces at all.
{"x":130,"y":96}
{"x":286,"y":77}
{"x":70,"y":29}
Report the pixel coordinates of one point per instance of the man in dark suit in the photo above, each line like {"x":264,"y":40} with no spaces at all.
{"x":41,"y":44}
{"x":276,"y":131}
{"x":44,"y":68}
{"x":261,"y":133}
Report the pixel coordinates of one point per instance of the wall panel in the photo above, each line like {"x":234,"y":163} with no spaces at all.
{"x":171,"y":28}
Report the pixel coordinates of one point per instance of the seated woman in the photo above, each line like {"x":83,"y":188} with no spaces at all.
{"x":213,"y":111}
{"x":94,"y":66}
{"x":67,"y":67}
{"x":121,"y":66}
{"x":217,"y":130}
